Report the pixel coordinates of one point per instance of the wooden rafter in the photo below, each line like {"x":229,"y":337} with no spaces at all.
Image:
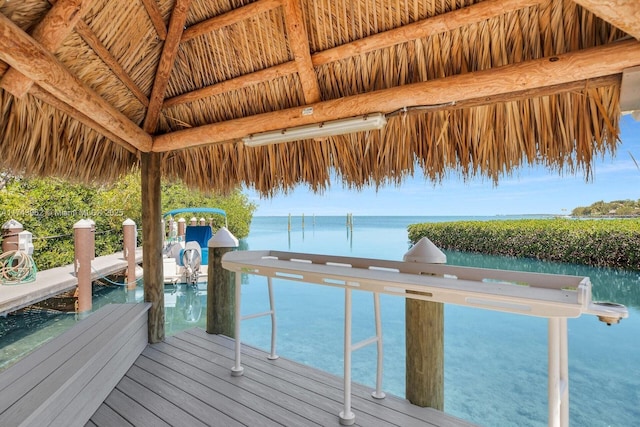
{"x":443,"y":23}
{"x":103,"y":53}
{"x":299,"y":45}
{"x":232,"y":17}
{"x":151,"y":6}
{"x":440,"y":23}
{"x":514,"y":78}
{"x":169,"y":52}
{"x":57,"y":24}
{"x":234,"y":84}
{"x":38,"y":64}
{"x":623,"y":14}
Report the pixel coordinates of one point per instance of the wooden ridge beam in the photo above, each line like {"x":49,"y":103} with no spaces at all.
{"x":586,"y":64}
{"x":232,"y":17}
{"x":103,"y":53}
{"x":299,"y":45}
{"x":38,"y":64}
{"x":151,"y":6}
{"x":168,"y":57}
{"x":443,"y":23}
{"x":240,"y":82}
{"x":57,"y":24}
{"x":622,"y":14}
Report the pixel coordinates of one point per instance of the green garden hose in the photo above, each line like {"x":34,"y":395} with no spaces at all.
{"x":17,"y":267}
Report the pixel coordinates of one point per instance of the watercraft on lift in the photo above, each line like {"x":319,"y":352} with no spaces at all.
{"x":185,"y":255}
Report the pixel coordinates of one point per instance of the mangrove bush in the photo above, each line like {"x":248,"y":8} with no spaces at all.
{"x":603,"y":243}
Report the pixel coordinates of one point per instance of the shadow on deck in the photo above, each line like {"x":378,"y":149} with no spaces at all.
{"x":186,"y":381}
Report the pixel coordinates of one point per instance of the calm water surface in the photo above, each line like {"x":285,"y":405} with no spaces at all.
{"x":495,"y":363}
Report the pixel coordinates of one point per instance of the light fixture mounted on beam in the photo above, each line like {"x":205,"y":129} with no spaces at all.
{"x":318,"y":130}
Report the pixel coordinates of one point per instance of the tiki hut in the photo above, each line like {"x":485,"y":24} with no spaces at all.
{"x":190,"y":89}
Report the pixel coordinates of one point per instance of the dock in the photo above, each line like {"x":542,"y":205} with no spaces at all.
{"x":57,"y":280}
{"x":186,"y":380}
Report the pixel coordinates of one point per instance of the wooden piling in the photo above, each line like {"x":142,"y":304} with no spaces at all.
{"x":221,"y":286}
{"x":152,"y":243}
{"x":425,"y":353}
{"x":182,"y":228}
{"x":129,"y":248}
{"x":10,"y":231}
{"x":82,"y":240}
{"x":92,"y":249}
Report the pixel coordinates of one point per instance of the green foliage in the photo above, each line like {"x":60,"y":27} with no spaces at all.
{"x":616,"y":208}
{"x":50,"y":207}
{"x":604,"y":243}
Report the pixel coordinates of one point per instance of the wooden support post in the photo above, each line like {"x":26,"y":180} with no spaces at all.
{"x":152,"y":244}
{"x":129,"y":238}
{"x":425,"y":353}
{"x":82,"y":237}
{"x":221,"y":285}
{"x":10,"y":230}
{"x":92,"y":249}
{"x":182,"y":228}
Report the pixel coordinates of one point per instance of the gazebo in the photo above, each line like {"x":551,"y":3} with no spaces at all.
{"x":275,"y":93}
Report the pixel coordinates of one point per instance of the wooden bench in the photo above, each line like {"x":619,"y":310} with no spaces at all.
{"x":65,"y":380}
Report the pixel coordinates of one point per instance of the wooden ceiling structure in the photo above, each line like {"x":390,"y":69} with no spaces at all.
{"x":478,"y":87}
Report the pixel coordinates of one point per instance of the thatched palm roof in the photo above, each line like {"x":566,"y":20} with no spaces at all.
{"x":479,"y":87}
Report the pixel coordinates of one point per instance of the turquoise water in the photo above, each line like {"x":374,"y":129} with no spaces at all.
{"x":495,"y":363}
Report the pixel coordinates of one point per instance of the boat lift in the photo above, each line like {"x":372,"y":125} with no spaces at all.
{"x":551,"y":296}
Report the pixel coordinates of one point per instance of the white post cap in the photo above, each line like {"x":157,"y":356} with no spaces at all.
{"x":223,"y":239}
{"x":83,"y":223}
{"x":12,"y":224}
{"x":182,"y":220}
{"x":128,"y":221}
{"x":426,"y":252}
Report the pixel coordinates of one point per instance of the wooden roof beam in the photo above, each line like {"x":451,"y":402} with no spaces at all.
{"x":299,"y":45}
{"x":103,"y":53}
{"x":57,"y":24}
{"x":151,"y":6}
{"x":232,"y":17}
{"x":515,"y":78}
{"x":168,"y":57}
{"x":623,"y":14}
{"x":443,"y":23}
{"x":240,"y":82}
{"x":38,"y":64}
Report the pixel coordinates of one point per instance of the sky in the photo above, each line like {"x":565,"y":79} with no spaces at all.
{"x":531,"y":190}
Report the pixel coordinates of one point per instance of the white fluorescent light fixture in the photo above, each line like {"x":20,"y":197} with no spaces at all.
{"x":318,"y":130}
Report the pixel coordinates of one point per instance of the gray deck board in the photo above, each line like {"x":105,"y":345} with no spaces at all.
{"x":186,"y":381}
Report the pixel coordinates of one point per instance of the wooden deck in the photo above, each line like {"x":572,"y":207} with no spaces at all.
{"x":56,"y":281}
{"x":186,"y":381}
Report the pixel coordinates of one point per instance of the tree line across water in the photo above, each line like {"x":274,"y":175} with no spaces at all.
{"x":616,"y":208}
{"x":49,"y":207}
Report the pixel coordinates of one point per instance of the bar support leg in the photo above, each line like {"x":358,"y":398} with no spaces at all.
{"x":272,"y":306}
{"x":347,"y":417}
{"x":237,"y":369}
{"x":378,"y":393}
{"x":558,"y":373}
